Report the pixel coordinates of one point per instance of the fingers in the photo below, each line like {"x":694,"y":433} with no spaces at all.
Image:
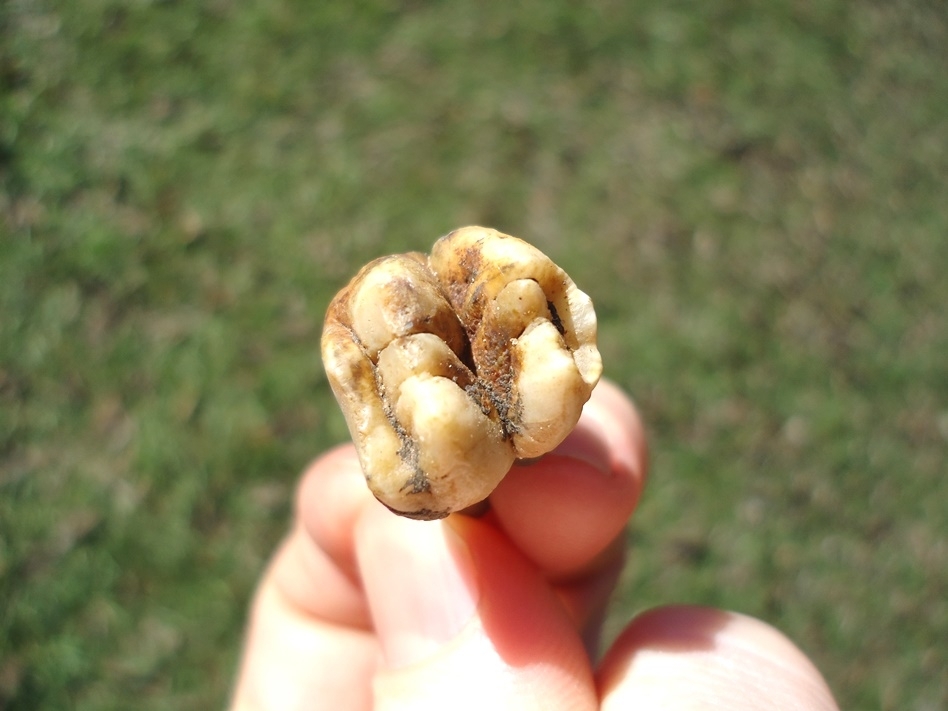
{"x":464,"y":621}
{"x":695,"y":658}
{"x":453,"y":609}
{"x":331,"y":494}
{"x":362,"y":609}
{"x":566,"y":509}
{"x":309,"y":641}
{"x":296,"y":662}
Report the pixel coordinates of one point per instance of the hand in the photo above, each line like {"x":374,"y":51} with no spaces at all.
{"x":361,"y":609}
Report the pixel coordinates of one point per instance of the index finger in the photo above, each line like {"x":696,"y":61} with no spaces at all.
{"x":566,"y":510}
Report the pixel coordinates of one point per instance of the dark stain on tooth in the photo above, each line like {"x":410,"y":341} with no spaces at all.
{"x":555,"y":318}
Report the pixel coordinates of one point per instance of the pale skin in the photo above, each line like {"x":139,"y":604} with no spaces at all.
{"x":361,"y":609}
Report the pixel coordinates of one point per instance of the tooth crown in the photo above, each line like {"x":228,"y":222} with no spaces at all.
{"x":450,"y":367}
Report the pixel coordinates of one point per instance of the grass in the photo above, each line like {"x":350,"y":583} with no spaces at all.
{"x":753,"y":194}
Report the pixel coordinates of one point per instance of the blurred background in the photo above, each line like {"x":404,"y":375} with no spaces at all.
{"x":752,"y":192}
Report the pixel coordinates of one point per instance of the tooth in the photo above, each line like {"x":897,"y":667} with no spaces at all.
{"x":450,"y":368}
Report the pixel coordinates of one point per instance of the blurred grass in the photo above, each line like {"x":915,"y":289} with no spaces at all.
{"x":753,"y":193}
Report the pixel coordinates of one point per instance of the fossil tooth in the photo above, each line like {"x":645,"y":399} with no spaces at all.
{"x":450,"y":367}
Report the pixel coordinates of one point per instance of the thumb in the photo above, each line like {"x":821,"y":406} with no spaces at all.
{"x":683,"y":657}
{"x":464,"y":621}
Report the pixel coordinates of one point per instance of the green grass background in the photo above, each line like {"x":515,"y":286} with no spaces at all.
{"x":752,"y":192}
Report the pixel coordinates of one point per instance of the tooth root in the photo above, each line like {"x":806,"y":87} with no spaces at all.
{"x":447,"y":369}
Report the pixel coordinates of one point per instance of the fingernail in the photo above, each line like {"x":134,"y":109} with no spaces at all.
{"x":603,"y":439}
{"x":420,"y":583}
{"x":588,"y":446}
